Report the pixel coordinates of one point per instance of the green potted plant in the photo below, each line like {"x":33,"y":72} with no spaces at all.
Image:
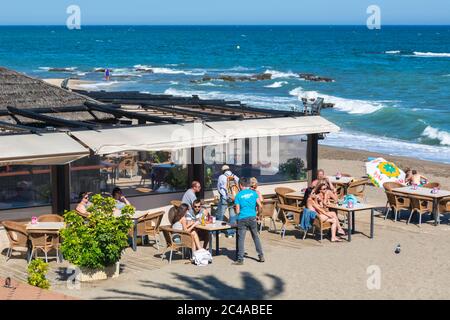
{"x":96,"y":244}
{"x":37,"y":269}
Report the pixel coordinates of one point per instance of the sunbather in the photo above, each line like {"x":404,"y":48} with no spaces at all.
{"x":418,"y":179}
{"x":323,"y":179}
{"x":84,"y":203}
{"x":181,"y":223}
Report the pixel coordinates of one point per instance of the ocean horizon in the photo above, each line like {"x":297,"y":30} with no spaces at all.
{"x":390,"y":88}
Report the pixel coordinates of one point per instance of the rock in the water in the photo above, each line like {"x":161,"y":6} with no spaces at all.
{"x":146,"y":70}
{"x":230,"y":78}
{"x":313,"y":77}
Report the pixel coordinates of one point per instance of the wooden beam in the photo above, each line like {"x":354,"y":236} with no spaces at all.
{"x":50,"y":120}
{"x":19,"y":127}
{"x":117,"y":111}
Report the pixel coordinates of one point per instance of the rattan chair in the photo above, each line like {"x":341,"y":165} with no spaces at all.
{"x":421,"y":206}
{"x":397,"y":203}
{"x":268,"y":211}
{"x":148,"y":225}
{"x":284,"y":208}
{"x":170,"y":235}
{"x":321,"y":226}
{"x":50,"y":218}
{"x":44,"y":241}
{"x":444,"y":206}
{"x":389,"y":186}
{"x":357,"y":188}
{"x":17,"y":235}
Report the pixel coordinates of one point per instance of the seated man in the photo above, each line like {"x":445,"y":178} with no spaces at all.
{"x":323,"y":179}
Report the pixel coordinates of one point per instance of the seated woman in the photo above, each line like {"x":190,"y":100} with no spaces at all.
{"x":181,"y":223}
{"x":324,"y":196}
{"x":310,"y":202}
{"x":83,"y":204}
{"x":121,"y":201}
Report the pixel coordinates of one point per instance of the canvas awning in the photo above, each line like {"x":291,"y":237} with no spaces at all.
{"x":165,"y":137}
{"x":170,"y":137}
{"x":43,"y":149}
{"x":269,"y":127}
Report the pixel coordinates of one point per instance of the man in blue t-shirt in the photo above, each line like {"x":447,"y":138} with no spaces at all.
{"x":247,"y":202}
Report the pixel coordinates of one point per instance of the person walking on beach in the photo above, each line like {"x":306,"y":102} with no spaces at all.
{"x":247,"y":204}
{"x":227,"y":180}
{"x":107,"y":74}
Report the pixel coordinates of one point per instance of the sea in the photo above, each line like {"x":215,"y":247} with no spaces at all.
{"x":391,"y":86}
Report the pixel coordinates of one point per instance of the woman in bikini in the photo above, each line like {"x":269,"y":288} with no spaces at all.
{"x":320,"y":202}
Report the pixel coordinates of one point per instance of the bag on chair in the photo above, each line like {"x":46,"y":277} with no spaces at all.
{"x":202,"y":257}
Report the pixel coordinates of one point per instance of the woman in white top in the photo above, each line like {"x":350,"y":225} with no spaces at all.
{"x":181,"y":223}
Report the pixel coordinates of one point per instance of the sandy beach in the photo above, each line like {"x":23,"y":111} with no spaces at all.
{"x":73,"y":83}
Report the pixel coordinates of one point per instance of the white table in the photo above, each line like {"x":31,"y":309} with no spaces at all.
{"x":45,"y":226}
{"x":216,"y":227}
{"x":426,"y":193}
{"x":351,"y":216}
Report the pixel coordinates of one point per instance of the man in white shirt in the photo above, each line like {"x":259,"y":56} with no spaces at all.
{"x":226,"y":201}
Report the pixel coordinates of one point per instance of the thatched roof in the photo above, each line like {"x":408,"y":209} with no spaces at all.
{"x":24,"y":92}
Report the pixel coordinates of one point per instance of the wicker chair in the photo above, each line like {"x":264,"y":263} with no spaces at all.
{"x":284,"y":208}
{"x":397,"y":203}
{"x":268,"y":212}
{"x":421,"y":206}
{"x":44,"y":241}
{"x":357,"y":188}
{"x":144,"y":170}
{"x":148,"y":225}
{"x":432,"y":185}
{"x":389,"y":186}
{"x":50,"y":218}
{"x":170,"y":235}
{"x":444,"y":206}
{"x":17,"y":236}
{"x":321,"y":226}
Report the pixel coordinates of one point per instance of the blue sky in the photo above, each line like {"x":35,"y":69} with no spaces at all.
{"x":24,"y":12}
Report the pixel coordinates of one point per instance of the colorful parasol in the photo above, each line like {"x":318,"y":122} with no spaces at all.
{"x":380,"y":171}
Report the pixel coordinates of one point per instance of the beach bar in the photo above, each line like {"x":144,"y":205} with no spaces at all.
{"x":56,"y":143}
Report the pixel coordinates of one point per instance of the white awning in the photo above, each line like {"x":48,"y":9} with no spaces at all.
{"x":44,"y":149}
{"x":165,"y":137}
{"x":269,"y":127}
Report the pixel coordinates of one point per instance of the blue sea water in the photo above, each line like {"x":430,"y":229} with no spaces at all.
{"x":391,"y":89}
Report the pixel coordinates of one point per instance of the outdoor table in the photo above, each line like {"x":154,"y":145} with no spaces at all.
{"x":426,"y":193}
{"x":216,"y":228}
{"x":135,"y":217}
{"x":351,"y":216}
{"x":45,"y":226}
{"x":342,"y":181}
{"x":297,"y":196}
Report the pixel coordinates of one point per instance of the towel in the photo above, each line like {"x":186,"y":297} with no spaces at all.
{"x":307,"y":217}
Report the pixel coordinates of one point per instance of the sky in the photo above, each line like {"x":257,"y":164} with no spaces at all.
{"x":233,"y":12}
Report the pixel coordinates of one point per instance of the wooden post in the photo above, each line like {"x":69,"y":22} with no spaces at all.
{"x":196,"y":169}
{"x":312,"y":156}
{"x":60,"y":178}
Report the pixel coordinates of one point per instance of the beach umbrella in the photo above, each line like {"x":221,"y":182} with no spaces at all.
{"x":380,"y":171}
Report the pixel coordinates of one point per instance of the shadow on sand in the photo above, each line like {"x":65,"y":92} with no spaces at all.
{"x":204,"y":288}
